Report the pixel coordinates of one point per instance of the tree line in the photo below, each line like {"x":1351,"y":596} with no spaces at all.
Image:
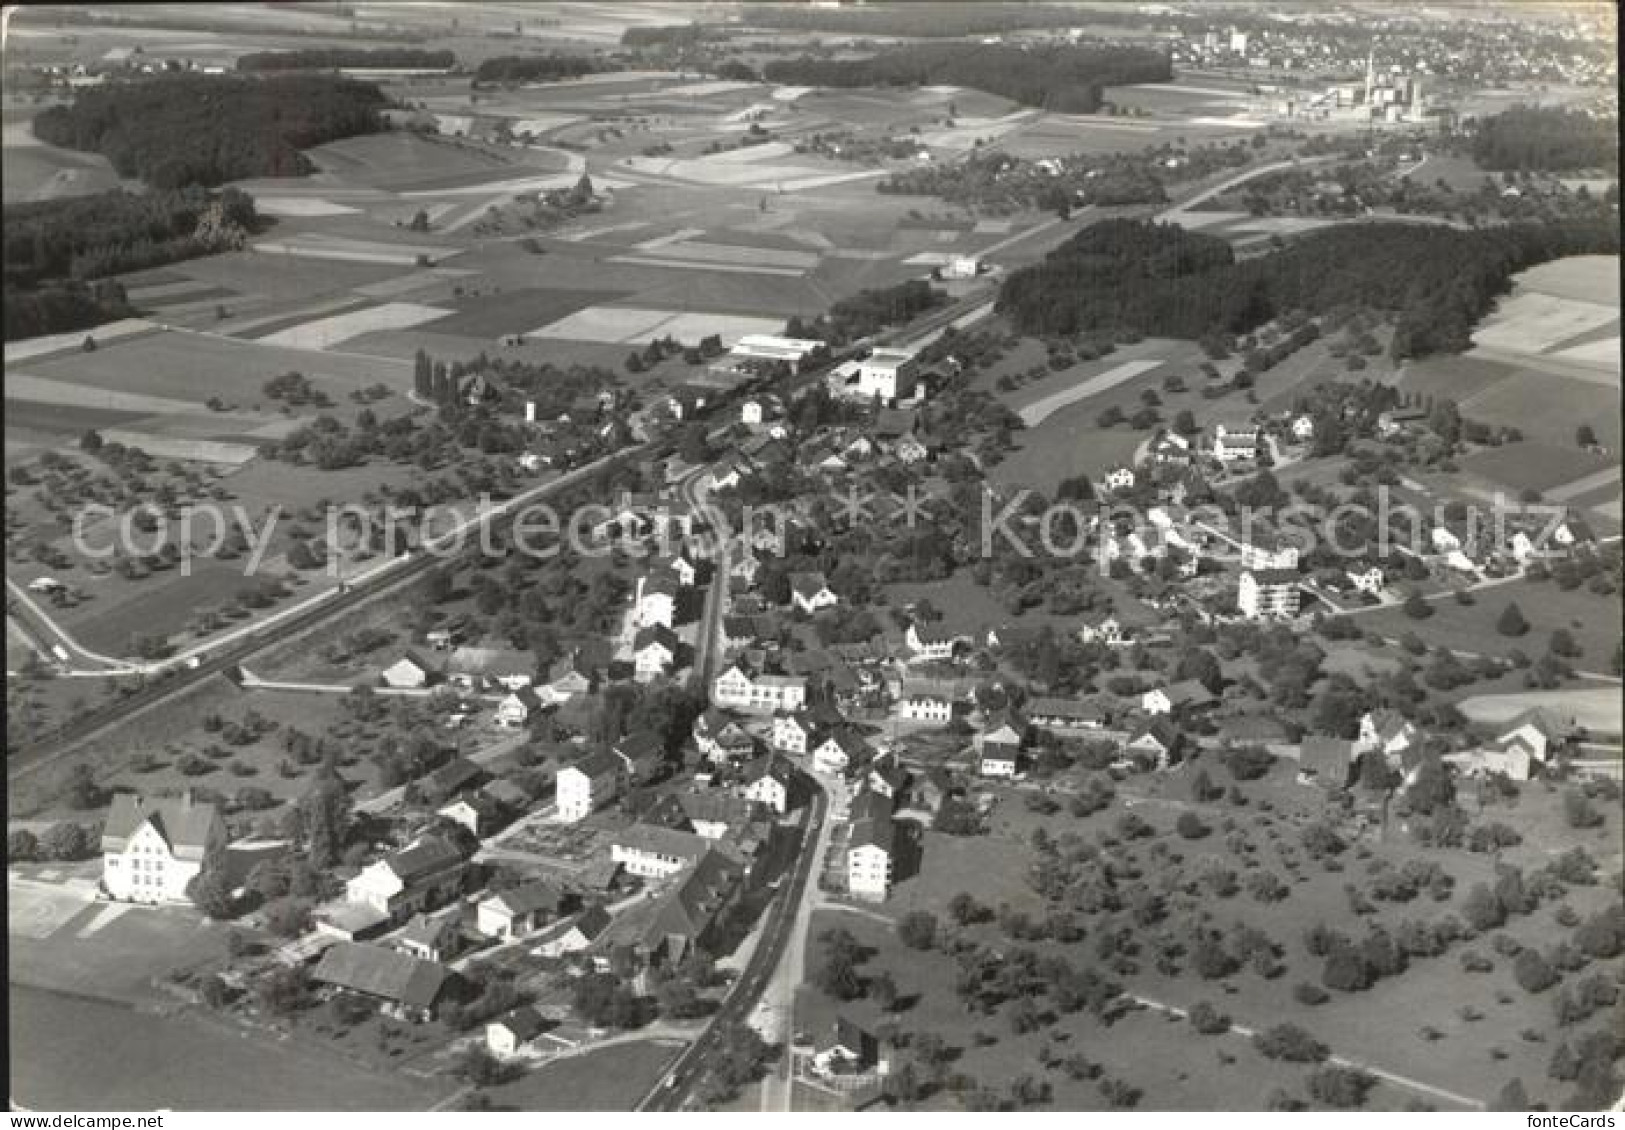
{"x":1068,"y":79}
{"x":195,"y":129}
{"x":505,"y":70}
{"x":332,"y":58}
{"x":1546,"y":139}
{"x":1152,"y":279}
{"x":54,"y":247}
{"x":910,"y":20}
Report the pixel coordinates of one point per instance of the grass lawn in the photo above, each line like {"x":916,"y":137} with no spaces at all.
{"x":90,"y":1055}
{"x":194,"y":367}
{"x":613,"y":1078}
{"x":1548,"y":408}
{"x":1537,"y":466}
{"x":1593,"y":621}
{"x":518,"y":311}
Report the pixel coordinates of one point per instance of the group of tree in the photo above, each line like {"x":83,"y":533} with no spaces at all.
{"x":910,"y":21}
{"x":510,"y":70}
{"x":1161,"y":280}
{"x":354,"y":58}
{"x":56,"y":250}
{"x":1065,"y":79}
{"x":868,"y":312}
{"x":195,"y":129}
{"x":1546,"y":139}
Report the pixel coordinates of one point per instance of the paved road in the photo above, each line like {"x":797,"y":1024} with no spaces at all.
{"x":676,"y":1088}
{"x":1174,"y":214}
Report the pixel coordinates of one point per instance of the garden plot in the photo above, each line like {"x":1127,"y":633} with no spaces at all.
{"x":1035,"y":413}
{"x":324,"y":333}
{"x":627,"y":325}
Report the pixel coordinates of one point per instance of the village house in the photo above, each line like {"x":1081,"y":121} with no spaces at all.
{"x":840,"y":751}
{"x":511,"y":914}
{"x":477,"y":668}
{"x":1157,"y":741}
{"x":1119,"y":478}
{"x":422,"y":876}
{"x":514,"y":1033}
{"x":1269,"y":594}
{"x":1065,"y":714}
{"x":410,"y":672}
{"x":403,"y":986}
{"x":932,"y":643}
{"x":737,"y":689}
{"x":1303,"y":428}
{"x":688,"y":915}
{"x":517,"y":708}
{"x":869,"y":857}
{"x":1101,"y":629}
{"x":432,"y":937}
{"x":1368,"y":580}
{"x":849,"y":1050}
{"x":152,"y":848}
{"x":998,"y":749}
{"x":1235,"y":441}
{"x":795,"y":731}
{"x":450,"y":779}
{"x":890,"y":374}
{"x":1263,"y":549}
{"x":1330,"y":762}
{"x":656,"y":600}
{"x":720,"y":738}
{"x":1181,"y":697}
{"x":479,"y":814}
{"x":654,"y":652}
{"x":642,"y":754}
{"x":589,"y":784}
{"x":886,"y":777}
{"x":1389,"y":733}
{"x":810,"y":591}
{"x":655,"y":852}
{"x":1170,"y":448}
{"x":926,"y":708}
{"x":770,"y":782}
{"x":572,"y":935}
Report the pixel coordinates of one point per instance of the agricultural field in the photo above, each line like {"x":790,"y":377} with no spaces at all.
{"x":1592,"y":620}
{"x":34,"y":170}
{"x":1470,"y":1054}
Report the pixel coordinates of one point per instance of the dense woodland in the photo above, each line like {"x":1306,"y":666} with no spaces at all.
{"x":1546,"y":139}
{"x":53,"y":247}
{"x":1125,"y":275}
{"x":506,"y":70}
{"x":910,"y":20}
{"x":1064,"y":79}
{"x":332,"y":58}
{"x":196,"y":129}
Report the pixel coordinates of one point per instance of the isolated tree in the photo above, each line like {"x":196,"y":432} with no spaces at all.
{"x":1417,"y":606}
{"x":325,"y":812}
{"x":917,"y":930}
{"x":420,"y":221}
{"x":1511,"y":621}
{"x":1585,"y":436}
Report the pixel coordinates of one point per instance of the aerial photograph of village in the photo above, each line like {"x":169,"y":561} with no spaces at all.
{"x":817,"y":556}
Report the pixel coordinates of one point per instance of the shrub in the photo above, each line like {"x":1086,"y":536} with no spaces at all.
{"x":1291,"y":1043}
{"x":1208,"y":1020}
{"x":1190,"y":826}
{"x":1534,"y":973}
{"x":1341,"y":1087}
{"x":1306,"y":992}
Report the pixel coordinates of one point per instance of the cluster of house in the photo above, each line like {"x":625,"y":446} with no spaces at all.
{"x":1520,"y":746}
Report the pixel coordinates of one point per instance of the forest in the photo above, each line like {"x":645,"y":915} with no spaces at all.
{"x":910,"y":20}
{"x":52,"y":247}
{"x":360,"y":58}
{"x":507,"y":70}
{"x":1546,"y":139}
{"x":1065,"y":79}
{"x":1160,"y":280}
{"x":195,"y":129}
